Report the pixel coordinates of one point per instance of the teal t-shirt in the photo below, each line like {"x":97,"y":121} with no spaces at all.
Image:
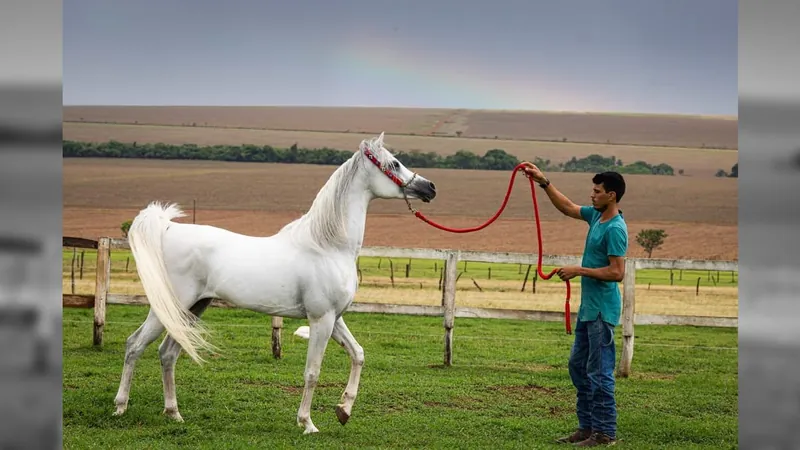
{"x":604,"y":239}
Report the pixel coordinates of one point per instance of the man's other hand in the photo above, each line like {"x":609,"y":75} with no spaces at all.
{"x":568,"y":272}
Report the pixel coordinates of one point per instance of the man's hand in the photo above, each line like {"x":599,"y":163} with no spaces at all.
{"x":532,"y":171}
{"x":568,"y":272}
{"x":561,"y":202}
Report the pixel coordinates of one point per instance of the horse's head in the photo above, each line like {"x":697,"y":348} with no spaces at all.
{"x":389,"y":178}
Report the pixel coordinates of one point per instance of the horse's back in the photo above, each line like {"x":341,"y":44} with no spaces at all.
{"x":253,"y":272}
{"x":271,"y":274}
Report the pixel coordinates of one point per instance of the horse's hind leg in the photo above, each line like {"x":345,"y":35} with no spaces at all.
{"x":320,"y":333}
{"x":343,"y":336}
{"x":168,"y":352}
{"x":135,"y":346}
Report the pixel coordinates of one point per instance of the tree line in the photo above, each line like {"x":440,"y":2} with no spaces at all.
{"x":494,"y":159}
{"x":734,"y":173}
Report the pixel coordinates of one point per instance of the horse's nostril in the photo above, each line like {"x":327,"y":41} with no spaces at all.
{"x":433,"y":186}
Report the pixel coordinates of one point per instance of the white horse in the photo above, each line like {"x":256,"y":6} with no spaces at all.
{"x":306,"y":270}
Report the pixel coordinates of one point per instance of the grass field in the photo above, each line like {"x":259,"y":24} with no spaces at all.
{"x":508,"y":385}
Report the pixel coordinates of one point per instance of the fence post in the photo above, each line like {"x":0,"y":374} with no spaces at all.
{"x":277,"y":325}
{"x":628,"y":313}
{"x":101,"y":288}
{"x":449,"y":303}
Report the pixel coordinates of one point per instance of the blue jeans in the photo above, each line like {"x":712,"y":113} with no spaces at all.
{"x":591,"y":367}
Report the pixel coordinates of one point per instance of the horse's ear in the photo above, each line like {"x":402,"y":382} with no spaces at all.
{"x":380,"y":139}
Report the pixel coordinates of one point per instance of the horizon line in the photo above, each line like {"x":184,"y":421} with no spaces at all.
{"x":512,"y":110}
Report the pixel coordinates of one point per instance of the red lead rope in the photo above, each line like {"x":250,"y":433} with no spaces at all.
{"x":538,"y":235}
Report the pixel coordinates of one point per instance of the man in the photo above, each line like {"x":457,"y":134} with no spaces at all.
{"x":591,"y":361}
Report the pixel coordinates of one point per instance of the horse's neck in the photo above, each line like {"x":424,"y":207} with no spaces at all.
{"x":348,"y":206}
{"x":356,"y":204}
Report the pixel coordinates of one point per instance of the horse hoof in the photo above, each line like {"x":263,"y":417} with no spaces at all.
{"x":342,"y":415}
{"x":173,"y":414}
{"x":307,"y":425}
{"x":120,"y":411}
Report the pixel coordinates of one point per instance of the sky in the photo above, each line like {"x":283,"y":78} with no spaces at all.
{"x":649,"y":56}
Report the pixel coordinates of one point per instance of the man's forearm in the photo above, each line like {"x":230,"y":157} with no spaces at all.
{"x":559,"y":200}
{"x":607,"y":273}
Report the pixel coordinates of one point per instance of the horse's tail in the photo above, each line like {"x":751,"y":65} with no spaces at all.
{"x":145,"y":239}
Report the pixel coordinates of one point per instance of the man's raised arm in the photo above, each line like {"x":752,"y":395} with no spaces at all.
{"x":559,"y":200}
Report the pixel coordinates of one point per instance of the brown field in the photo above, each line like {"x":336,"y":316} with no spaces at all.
{"x":695,"y":162}
{"x":638,"y":129}
{"x":606,"y":128}
{"x":698,"y":210}
{"x":369,"y":120}
{"x":698,"y":213}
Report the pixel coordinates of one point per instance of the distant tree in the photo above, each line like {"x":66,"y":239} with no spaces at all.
{"x":462,"y":159}
{"x":721,"y":174}
{"x":126,"y":226}
{"x":734,"y":171}
{"x":651,"y":239}
{"x":497,"y":159}
{"x":458,"y":133}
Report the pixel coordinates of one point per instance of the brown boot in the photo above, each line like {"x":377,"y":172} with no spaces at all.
{"x":578,"y":436}
{"x":597,"y":438}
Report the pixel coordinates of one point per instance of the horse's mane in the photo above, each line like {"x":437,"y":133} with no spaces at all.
{"x":326,"y":220}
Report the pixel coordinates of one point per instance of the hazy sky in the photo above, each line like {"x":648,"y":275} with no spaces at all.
{"x":632,"y":55}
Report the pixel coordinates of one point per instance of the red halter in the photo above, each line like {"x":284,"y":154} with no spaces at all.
{"x":388,"y":172}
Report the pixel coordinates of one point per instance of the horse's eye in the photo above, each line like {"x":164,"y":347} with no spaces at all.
{"x":394,"y":165}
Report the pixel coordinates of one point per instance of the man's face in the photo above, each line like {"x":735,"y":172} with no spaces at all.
{"x":600,"y":198}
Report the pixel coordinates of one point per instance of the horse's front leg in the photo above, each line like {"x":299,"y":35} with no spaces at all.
{"x":343,"y":336}
{"x":320,"y":333}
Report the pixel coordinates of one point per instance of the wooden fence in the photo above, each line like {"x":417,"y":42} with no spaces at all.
{"x":448,"y":309}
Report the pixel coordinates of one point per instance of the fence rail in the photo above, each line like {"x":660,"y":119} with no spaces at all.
{"x":448,"y":309}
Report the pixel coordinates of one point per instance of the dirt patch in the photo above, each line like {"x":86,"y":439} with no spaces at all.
{"x":464,"y":403}
{"x":652,"y":376}
{"x":252,"y":382}
{"x":299,"y":389}
{"x":531,"y":393}
{"x":523,"y":388}
{"x":393,"y":408}
{"x":433,"y":404}
{"x":560,"y":411}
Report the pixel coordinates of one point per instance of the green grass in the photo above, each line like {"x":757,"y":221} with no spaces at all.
{"x":508,"y":387}
{"x":429,"y":268}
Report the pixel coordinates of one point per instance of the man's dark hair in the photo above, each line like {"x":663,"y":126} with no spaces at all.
{"x":612,"y":182}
